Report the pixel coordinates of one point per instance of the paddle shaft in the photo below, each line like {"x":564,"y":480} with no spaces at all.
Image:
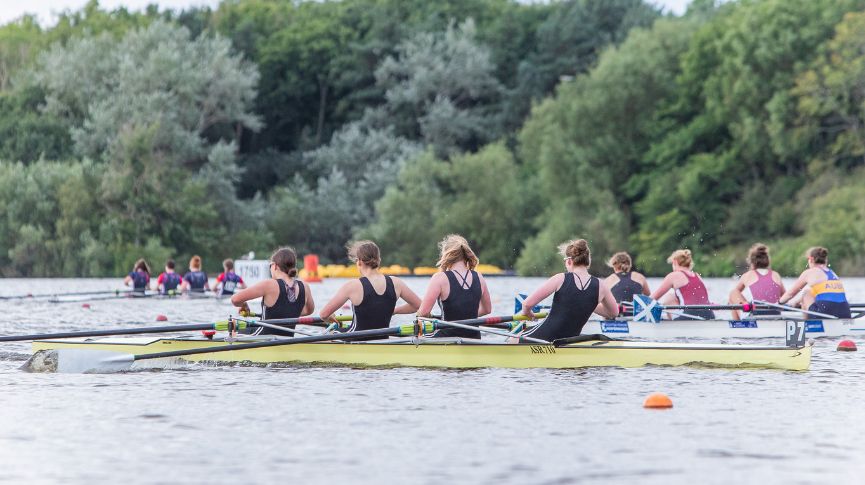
{"x":362,"y":334}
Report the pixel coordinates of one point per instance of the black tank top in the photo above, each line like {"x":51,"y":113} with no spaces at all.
{"x":625,"y":289}
{"x":462,"y":304}
{"x":284,"y":307}
{"x":375,"y":311}
{"x":572,"y":307}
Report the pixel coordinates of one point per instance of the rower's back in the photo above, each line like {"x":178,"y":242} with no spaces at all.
{"x":375,"y":309}
{"x":573,"y":304}
{"x":462,"y":303}
{"x":626,"y":287}
{"x":289,"y":304}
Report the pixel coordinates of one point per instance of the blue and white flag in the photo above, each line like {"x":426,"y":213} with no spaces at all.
{"x":646,"y":309}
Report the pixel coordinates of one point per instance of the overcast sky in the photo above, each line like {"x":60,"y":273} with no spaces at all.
{"x":45,"y":9}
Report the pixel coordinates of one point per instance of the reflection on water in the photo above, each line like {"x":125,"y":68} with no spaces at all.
{"x":230,"y":424}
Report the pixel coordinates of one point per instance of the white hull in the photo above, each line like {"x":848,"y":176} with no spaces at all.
{"x":714,"y":329}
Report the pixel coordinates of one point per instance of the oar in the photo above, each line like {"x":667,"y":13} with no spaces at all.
{"x":440,"y":323}
{"x":794,"y":309}
{"x":296,"y":321}
{"x":117,"y":361}
{"x":219,"y":326}
{"x":55,"y":295}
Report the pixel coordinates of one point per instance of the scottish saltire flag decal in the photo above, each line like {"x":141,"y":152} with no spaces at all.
{"x":518,"y":304}
{"x":646,"y":309}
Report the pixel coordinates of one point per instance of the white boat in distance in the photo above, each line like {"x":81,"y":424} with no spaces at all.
{"x":714,"y":329}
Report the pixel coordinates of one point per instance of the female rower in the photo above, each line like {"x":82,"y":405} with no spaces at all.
{"x":460,"y":291}
{"x":374,"y":295}
{"x":763,"y":283}
{"x":282,"y":296}
{"x":826,"y":293}
{"x":228,"y":280}
{"x":168,"y":280}
{"x":624,"y":283}
{"x":578,"y":294}
{"x":195,"y":280}
{"x":139,"y":277}
{"x":688,"y":288}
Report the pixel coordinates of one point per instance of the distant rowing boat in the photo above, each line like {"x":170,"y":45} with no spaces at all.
{"x":715,"y":329}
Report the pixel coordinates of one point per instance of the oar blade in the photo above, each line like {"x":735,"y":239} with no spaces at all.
{"x":78,"y":361}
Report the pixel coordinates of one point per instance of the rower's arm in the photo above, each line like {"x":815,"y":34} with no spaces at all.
{"x":736,"y":295}
{"x":607,"y":307}
{"x":338,"y":300}
{"x":127,"y":280}
{"x":548,"y":288}
{"x":645,"y":282}
{"x":662,"y":290}
{"x":486,"y":301}
{"x":795,"y":289}
{"x":257,"y":290}
{"x":412,"y":301}
{"x":433,"y":292}
{"x":309,"y":304}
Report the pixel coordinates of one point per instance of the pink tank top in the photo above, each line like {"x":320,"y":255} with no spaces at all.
{"x":765,"y":288}
{"x":693,"y":293}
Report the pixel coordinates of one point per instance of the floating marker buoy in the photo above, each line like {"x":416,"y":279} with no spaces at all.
{"x":208,"y":333}
{"x":847,"y":346}
{"x":657,"y":400}
{"x":86,"y":305}
{"x":161,"y":318}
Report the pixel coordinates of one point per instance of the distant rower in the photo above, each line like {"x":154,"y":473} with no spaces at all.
{"x":578,"y":294}
{"x":139,"y":277}
{"x":168,"y":280}
{"x":688,"y":288}
{"x":374,"y":295}
{"x":228,"y":280}
{"x":282,"y":296}
{"x":763,"y":283}
{"x":460,"y":291}
{"x":195,"y":280}
{"x":624,"y":283}
{"x":825,"y":293}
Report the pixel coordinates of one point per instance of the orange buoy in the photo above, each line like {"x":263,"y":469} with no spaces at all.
{"x":161,"y":318}
{"x":657,"y":400}
{"x":847,"y":346}
{"x":86,"y":306}
{"x":310,"y":264}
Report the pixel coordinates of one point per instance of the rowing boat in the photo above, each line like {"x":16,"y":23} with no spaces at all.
{"x":716,"y":329}
{"x":449,"y":353}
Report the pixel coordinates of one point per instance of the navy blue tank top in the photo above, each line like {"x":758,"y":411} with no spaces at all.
{"x":375,"y":311}
{"x":170,"y":281}
{"x":139,"y":280}
{"x":461,"y":304}
{"x":572,"y":307}
{"x":196,"y":280}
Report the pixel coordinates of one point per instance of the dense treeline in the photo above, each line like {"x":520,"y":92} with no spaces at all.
{"x":267,"y":122}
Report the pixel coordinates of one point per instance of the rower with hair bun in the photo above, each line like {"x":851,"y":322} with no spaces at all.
{"x":576,"y":295}
{"x":374,"y":295}
{"x":460,"y":291}
{"x":763,"y":283}
{"x":624,"y":283}
{"x":195,"y":281}
{"x":826,"y":292}
{"x":686,"y":285}
{"x":282,"y":296}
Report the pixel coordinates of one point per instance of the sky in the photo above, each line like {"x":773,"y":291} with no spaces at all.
{"x":45,"y":9}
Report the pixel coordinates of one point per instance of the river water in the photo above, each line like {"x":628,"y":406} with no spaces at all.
{"x":202,"y":424}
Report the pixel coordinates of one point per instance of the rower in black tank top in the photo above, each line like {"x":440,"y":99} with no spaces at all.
{"x":572,"y":307}
{"x":289,"y":304}
{"x":462,"y":303}
{"x":625,"y":289}
{"x":375,"y":311}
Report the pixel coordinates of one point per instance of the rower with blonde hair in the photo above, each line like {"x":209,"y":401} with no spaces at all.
{"x":283,"y":295}
{"x":763,"y":283}
{"x":374,"y":295}
{"x":576,"y":295}
{"x":195,"y":280}
{"x":460,"y":291}
{"x":686,"y":285}
{"x":624,"y":283}
{"x":825,"y":293}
